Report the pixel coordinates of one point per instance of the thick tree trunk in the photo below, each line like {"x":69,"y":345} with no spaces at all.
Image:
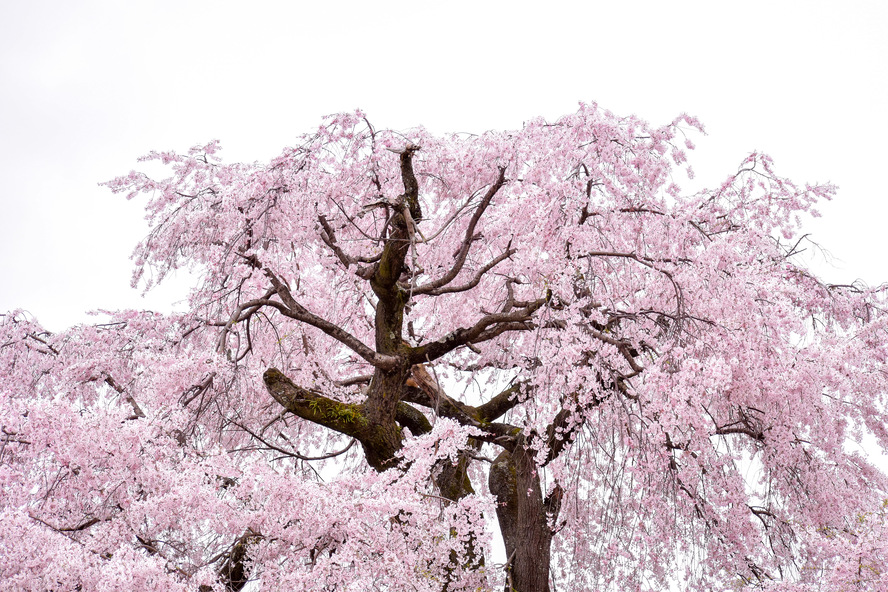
{"x":523,"y":518}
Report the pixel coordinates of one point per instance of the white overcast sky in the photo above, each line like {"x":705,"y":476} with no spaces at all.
{"x":86,"y":87}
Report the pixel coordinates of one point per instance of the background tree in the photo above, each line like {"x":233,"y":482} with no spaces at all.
{"x":396,"y":337}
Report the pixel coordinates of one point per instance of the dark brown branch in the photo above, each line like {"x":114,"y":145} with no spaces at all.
{"x":242,"y":312}
{"x":412,"y":419}
{"x":269,"y":446}
{"x":233,"y":572}
{"x":292,"y":309}
{"x":476,"y":279}
{"x":197,"y":390}
{"x":362,"y":379}
{"x":137,"y":411}
{"x":329,"y":237}
{"x":79,"y":527}
{"x":467,"y":240}
{"x":486,"y":328}
{"x":623,"y":346}
{"x":496,"y":433}
{"x":392,"y":263}
{"x":742,"y":430}
{"x":11,"y":437}
{"x":560,"y":433}
{"x":380,"y":440}
{"x":411,"y":185}
{"x":500,"y":404}
{"x":44,"y":342}
{"x":649,"y":262}
{"x":501,"y":328}
{"x":340,"y":417}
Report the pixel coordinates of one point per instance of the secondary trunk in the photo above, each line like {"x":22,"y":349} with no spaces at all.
{"x":524,"y":520}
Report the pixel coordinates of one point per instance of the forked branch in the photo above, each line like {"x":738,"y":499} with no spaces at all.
{"x":468,"y":239}
{"x":289,"y":307}
{"x":488,"y":327}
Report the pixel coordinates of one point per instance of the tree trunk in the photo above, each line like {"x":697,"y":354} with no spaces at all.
{"x":523,"y":519}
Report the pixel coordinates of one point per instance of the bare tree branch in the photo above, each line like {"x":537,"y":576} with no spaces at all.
{"x":475,"y":280}
{"x":486,"y":328}
{"x":501,"y":403}
{"x":467,"y":240}
{"x":290,"y":308}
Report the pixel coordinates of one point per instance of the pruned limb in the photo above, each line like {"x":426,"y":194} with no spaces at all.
{"x":354,"y":380}
{"x":312,"y":406}
{"x":443,"y":405}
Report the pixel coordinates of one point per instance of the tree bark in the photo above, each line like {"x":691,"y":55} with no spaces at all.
{"x":523,"y":518}
{"x":377,"y":423}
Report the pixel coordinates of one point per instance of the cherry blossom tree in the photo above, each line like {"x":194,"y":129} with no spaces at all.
{"x":402,"y":345}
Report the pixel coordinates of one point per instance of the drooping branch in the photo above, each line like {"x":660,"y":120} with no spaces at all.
{"x":649,"y":263}
{"x":239,"y":314}
{"x":66,"y":530}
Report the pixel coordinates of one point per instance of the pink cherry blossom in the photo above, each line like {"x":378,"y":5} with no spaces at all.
{"x":395,"y":333}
